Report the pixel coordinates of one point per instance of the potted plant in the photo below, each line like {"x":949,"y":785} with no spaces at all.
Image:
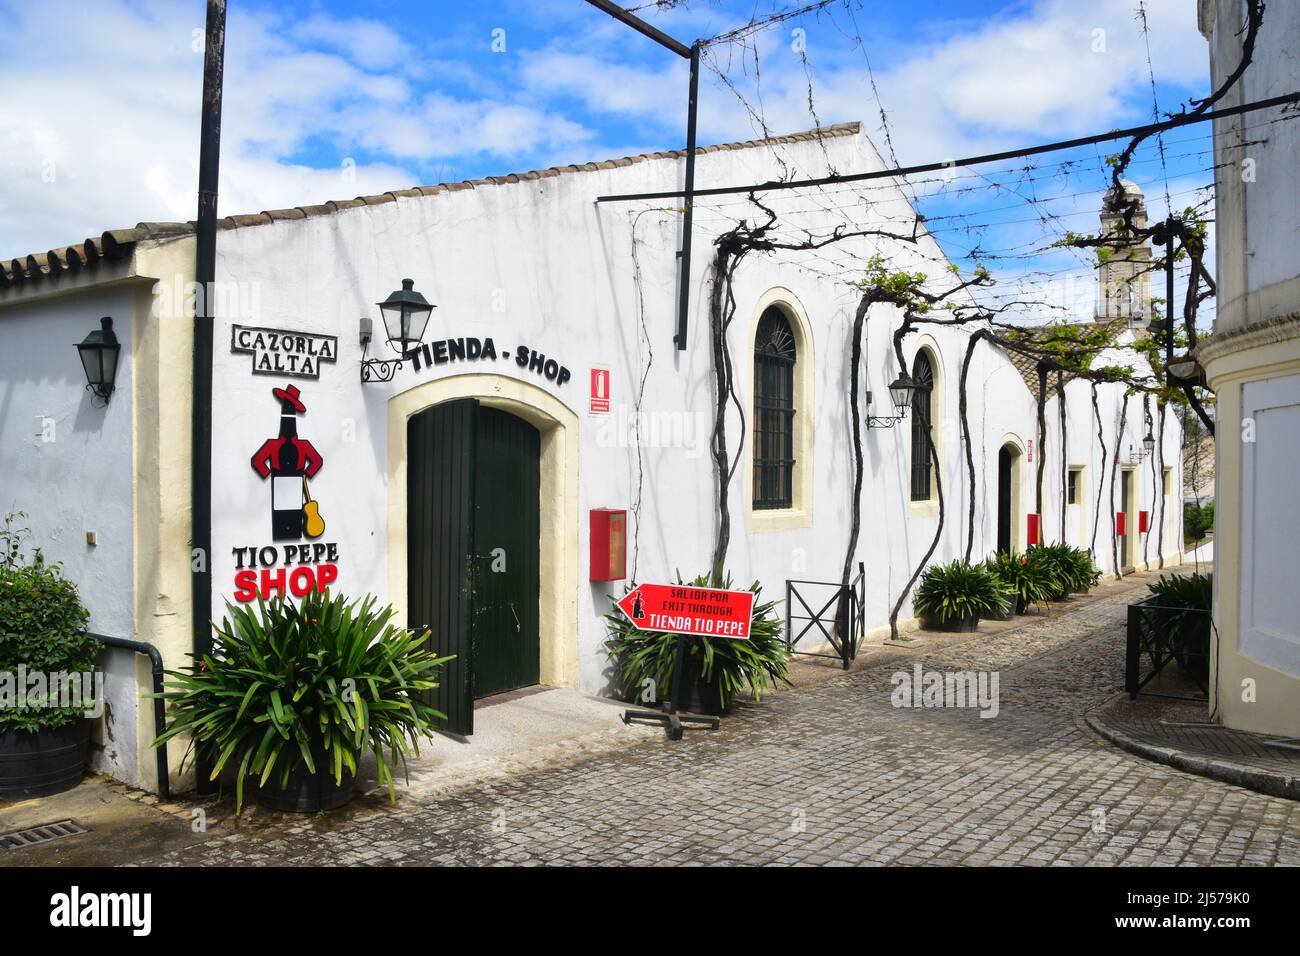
{"x":1083,"y":574}
{"x":294,"y":695}
{"x":1026,"y":583}
{"x":954,"y":596}
{"x":44,"y":732}
{"x":1183,"y":602}
{"x":1056,"y":567}
{"x":715,"y":668}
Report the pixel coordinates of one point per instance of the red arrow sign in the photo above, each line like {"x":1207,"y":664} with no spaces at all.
{"x":682,"y":609}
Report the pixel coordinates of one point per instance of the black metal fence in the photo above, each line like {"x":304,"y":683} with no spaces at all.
{"x":840,"y":618}
{"x":1159,"y":635}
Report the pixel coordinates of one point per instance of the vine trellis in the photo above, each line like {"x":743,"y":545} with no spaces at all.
{"x":1060,"y":351}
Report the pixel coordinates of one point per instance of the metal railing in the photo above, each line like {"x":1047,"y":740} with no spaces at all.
{"x":1157,"y":635}
{"x":843,"y":629}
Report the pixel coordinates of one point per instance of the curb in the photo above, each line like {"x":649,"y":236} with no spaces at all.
{"x":1241,"y":775}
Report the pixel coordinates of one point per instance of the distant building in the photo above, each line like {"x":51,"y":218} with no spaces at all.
{"x":1124,"y":276}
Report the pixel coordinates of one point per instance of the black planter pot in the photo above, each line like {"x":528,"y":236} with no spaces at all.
{"x":1008,"y":614}
{"x":954,"y":625}
{"x":308,"y":792}
{"x":39,"y":763}
{"x":698,"y":696}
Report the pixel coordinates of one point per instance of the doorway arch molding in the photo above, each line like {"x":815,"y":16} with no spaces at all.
{"x":558,"y":427}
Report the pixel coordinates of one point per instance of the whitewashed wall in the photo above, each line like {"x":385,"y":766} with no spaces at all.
{"x":69,"y":464}
{"x":541,"y":264}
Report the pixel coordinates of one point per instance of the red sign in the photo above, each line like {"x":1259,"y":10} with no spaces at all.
{"x":600,"y":390}
{"x":682,"y":609}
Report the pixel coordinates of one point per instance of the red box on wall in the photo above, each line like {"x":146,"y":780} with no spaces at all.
{"x":608,"y":544}
{"x":1031,"y":535}
{"x":1121,"y":523}
{"x":1144,"y":522}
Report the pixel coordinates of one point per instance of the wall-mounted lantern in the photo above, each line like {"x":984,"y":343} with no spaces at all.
{"x":406,"y":313}
{"x":900,"y":391}
{"x":99,"y":352}
{"x":1149,"y":443}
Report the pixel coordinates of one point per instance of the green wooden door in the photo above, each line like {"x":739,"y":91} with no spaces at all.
{"x":441,"y":446}
{"x":507,"y":536}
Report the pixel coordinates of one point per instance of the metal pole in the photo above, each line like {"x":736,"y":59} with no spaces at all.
{"x":684,"y":289}
{"x":159,"y":705}
{"x":205,"y":267}
{"x":641,"y":27}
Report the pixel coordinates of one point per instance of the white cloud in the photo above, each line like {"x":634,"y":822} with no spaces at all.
{"x":101,"y":129}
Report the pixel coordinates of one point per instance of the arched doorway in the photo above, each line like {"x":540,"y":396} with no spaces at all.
{"x":1009,"y":520}
{"x":558,"y":538}
{"x":473,"y":527}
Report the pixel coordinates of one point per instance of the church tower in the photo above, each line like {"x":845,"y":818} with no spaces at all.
{"x":1124,"y":274}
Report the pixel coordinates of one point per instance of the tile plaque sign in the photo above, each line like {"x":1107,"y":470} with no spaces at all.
{"x":284,"y":351}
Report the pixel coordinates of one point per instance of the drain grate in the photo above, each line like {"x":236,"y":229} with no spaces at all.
{"x":40,"y":834}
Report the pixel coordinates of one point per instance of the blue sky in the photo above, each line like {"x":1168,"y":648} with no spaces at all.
{"x":328,"y":99}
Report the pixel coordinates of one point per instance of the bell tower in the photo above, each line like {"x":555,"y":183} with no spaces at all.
{"x":1124,"y":274}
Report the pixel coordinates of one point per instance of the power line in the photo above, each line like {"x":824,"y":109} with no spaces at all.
{"x":1146,"y":130}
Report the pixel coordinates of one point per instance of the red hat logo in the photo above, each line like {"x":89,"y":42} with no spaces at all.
{"x":289,"y":461}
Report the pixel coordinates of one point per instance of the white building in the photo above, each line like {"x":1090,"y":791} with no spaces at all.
{"x":1253,"y":365}
{"x":548,"y":305}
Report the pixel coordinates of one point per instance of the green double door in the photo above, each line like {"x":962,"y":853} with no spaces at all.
{"x":473,"y":542}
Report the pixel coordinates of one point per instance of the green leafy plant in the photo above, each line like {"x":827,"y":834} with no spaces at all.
{"x":958,"y":591}
{"x":1198,"y":520}
{"x":758,"y":664}
{"x":42,"y":628}
{"x":1069,"y":568}
{"x":1183,"y":603}
{"x":1027,"y":582}
{"x":285,"y":681}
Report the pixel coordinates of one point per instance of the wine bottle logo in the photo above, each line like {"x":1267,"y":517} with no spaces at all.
{"x":289,"y":461}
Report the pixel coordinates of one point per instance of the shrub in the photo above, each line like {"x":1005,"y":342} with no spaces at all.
{"x":1067,"y":567}
{"x":42,"y":628}
{"x":757,"y":664}
{"x":1027,"y":582}
{"x":1187,"y":600}
{"x":1198,"y":520}
{"x":283,"y":681}
{"x":957,"y":591}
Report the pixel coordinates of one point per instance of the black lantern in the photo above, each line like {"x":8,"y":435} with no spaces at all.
{"x":99,"y":353}
{"x":1149,"y":443}
{"x":406,"y":313}
{"x":900,"y":390}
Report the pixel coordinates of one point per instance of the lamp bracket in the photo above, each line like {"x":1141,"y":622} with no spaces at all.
{"x":377,"y":370}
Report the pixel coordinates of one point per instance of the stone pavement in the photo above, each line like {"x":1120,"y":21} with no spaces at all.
{"x":833,"y":773}
{"x":1182,"y":737}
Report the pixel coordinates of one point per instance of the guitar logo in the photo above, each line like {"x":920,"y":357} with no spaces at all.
{"x":289,"y":461}
{"x":313,"y":523}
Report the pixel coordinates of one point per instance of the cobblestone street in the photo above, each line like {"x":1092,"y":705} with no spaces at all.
{"x":834,"y":774}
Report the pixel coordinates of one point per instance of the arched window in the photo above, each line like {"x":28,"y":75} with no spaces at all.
{"x":774,"y":359}
{"x":923,"y":400}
